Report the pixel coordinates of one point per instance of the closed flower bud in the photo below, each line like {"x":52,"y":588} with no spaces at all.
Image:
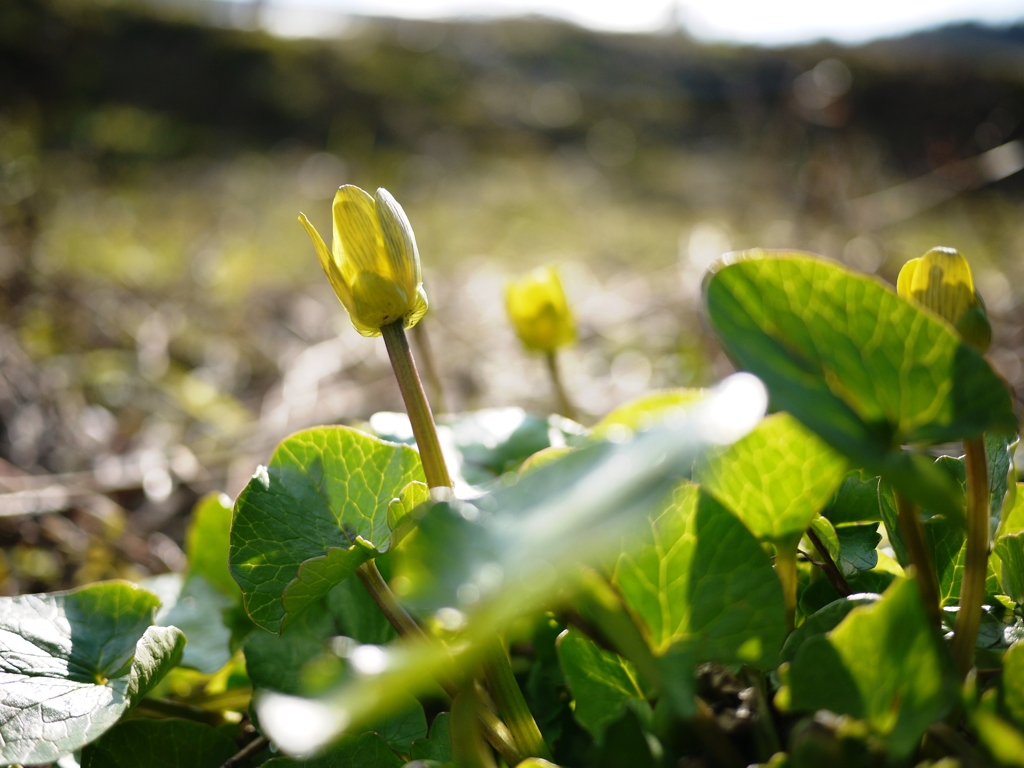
{"x":536,"y":303}
{"x":941,"y":280}
{"x":374,"y":266}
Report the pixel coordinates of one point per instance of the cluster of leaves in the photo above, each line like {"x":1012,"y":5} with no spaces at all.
{"x":628,"y":568}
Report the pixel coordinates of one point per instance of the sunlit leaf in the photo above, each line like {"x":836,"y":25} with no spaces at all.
{"x":603,"y":684}
{"x":1010,"y":551}
{"x":818,"y":623}
{"x":1013,"y":681}
{"x":884,"y":664}
{"x":644,"y":412}
{"x":776,"y":479}
{"x":307,"y":521}
{"x":88,"y":654}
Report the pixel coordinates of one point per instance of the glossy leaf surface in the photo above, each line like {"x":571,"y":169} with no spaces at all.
{"x":159,"y":744}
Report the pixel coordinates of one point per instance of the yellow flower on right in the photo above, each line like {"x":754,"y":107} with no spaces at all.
{"x":941,"y":281}
{"x":539,"y":311}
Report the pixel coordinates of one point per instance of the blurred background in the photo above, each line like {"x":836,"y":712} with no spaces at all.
{"x":164,"y":321}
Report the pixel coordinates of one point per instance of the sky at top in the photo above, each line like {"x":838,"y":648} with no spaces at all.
{"x":750,"y":21}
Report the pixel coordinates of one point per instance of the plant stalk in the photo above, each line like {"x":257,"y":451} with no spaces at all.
{"x":468,"y":748}
{"x":828,"y":565}
{"x":505,"y":690}
{"x":972,"y":589}
{"x":416,"y":405}
{"x":436,"y":472}
{"x":785,"y":569}
{"x":912,"y":533}
{"x":564,"y":405}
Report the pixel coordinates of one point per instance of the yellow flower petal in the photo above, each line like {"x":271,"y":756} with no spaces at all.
{"x":943,"y":283}
{"x":399,"y":241}
{"x":906,"y":277}
{"x":327,"y":263}
{"x":358,"y":244}
{"x":539,"y":311}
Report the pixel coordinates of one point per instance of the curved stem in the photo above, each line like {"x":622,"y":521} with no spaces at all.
{"x":912,"y":533}
{"x":426,"y":353}
{"x":503,"y":686}
{"x":416,"y":405}
{"x":828,"y":565}
{"x":468,"y":748}
{"x":564,"y":406}
{"x":972,"y":589}
{"x":404,"y":624}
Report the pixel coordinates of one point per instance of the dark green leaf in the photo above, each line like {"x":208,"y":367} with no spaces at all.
{"x":365,"y":751}
{"x":820,"y":593}
{"x":199,"y":611}
{"x":776,"y":479}
{"x":403,"y":726}
{"x":818,"y":623}
{"x":275,"y":662}
{"x":884,"y":664}
{"x":603,"y":684}
{"x":88,"y":655}
{"x":857,"y":545}
{"x":1001,"y":473}
{"x":700,"y":582}
{"x":358,"y":616}
{"x":159,"y":744}
{"x":856,"y":501}
{"x":438,"y":745}
{"x":313,"y":516}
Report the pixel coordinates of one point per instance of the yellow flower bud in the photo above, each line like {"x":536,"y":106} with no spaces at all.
{"x":374,"y":267}
{"x":941,"y":281}
{"x":536,"y":303}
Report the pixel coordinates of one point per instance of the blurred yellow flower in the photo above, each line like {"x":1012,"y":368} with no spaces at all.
{"x":375,"y":266}
{"x":541,"y":316}
{"x":941,"y":280}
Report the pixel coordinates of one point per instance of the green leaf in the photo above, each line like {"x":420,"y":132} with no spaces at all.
{"x":357,"y":615}
{"x":820,"y":593}
{"x":861,"y":367}
{"x":198,"y":610}
{"x":403,"y":726}
{"x":275,"y":662}
{"x":644,"y":412}
{"x":1013,"y":511}
{"x":1013,"y":681}
{"x":365,"y":751}
{"x":826,"y":532}
{"x":776,"y":479}
{"x":159,"y":744}
{"x":1004,"y":742}
{"x":1002,"y":474}
{"x":857,"y":548}
{"x":883,"y":664}
{"x":1010,"y":551}
{"x":414,"y":494}
{"x":856,"y":501}
{"x":603,"y":684}
{"x":821,"y":621}
{"x":71,"y":663}
{"x":313,"y":516}
{"x":438,"y":745}
{"x":207,"y":543}
{"x":700,"y":582}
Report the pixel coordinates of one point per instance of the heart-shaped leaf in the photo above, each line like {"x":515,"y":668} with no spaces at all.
{"x":310,"y":518}
{"x":776,"y":479}
{"x":861,"y":367}
{"x":365,"y":751}
{"x":159,"y":744}
{"x":885,"y":664}
{"x":702,"y":586}
{"x":71,"y":663}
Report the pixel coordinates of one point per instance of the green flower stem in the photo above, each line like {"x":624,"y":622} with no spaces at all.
{"x":564,"y":406}
{"x":508,"y":697}
{"x":505,"y":690}
{"x":912,"y":533}
{"x":785,"y":569}
{"x":828,"y":565}
{"x":972,"y":590}
{"x":495,"y":731}
{"x":416,"y":405}
{"x":426,"y":354}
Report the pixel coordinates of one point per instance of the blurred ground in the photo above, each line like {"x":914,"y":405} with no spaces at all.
{"x":164,"y":321}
